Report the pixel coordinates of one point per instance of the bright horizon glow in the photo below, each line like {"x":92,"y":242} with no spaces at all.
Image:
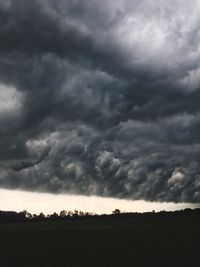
{"x":16,"y":200}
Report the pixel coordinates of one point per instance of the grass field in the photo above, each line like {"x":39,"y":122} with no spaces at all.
{"x":105,"y":242}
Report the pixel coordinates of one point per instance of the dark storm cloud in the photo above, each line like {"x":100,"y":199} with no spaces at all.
{"x":101,"y":98}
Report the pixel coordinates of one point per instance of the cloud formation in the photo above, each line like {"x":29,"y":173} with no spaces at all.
{"x":101,"y":98}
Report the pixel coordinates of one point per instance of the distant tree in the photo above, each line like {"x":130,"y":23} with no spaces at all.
{"x":63,"y":213}
{"x":81,"y":214}
{"x":70,"y":213}
{"x":26,"y":214}
{"x":76,"y":214}
{"x":41,"y":215}
{"x":53,"y":216}
{"x":116,"y":211}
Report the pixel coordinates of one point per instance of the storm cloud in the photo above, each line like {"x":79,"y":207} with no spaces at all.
{"x":101,"y":98}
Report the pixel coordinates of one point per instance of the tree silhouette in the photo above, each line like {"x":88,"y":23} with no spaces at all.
{"x":116,"y":211}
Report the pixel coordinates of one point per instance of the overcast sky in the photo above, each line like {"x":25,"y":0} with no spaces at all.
{"x":101,"y":97}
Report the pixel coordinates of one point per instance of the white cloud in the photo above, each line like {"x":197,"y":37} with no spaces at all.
{"x":10,"y":100}
{"x":176,"y":178}
{"x":192,"y":80}
{"x":164,"y":35}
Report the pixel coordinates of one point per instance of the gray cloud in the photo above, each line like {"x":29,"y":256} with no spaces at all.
{"x":101,"y":98}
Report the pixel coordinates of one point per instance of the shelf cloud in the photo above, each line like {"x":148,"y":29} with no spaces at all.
{"x":101,"y":98}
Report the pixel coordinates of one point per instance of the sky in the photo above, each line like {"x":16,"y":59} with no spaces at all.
{"x":47,"y":203}
{"x":101,"y":98}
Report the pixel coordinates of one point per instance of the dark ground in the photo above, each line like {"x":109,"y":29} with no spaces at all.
{"x":173,"y":242}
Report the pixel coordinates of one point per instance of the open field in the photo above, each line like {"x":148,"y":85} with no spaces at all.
{"x":102,"y":242}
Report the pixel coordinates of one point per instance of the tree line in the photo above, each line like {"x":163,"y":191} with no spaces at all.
{"x":25,"y":216}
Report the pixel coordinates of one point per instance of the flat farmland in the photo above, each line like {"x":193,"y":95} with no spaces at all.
{"x":102,"y":242}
